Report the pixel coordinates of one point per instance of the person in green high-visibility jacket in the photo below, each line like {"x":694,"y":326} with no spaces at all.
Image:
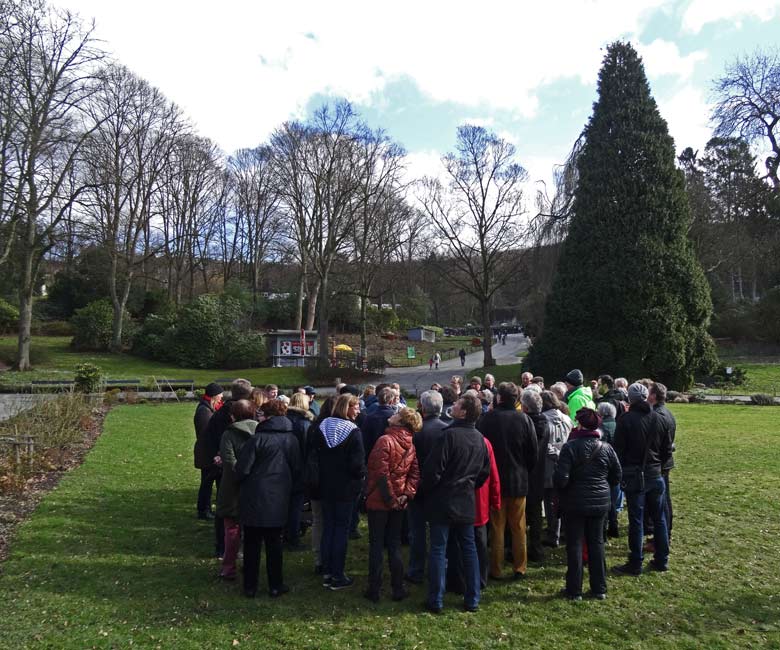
{"x":577,"y":396}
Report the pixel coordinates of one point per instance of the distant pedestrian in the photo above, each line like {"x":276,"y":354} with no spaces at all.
{"x":436,"y":360}
{"x":430,"y":363}
{"x":462,"y":355}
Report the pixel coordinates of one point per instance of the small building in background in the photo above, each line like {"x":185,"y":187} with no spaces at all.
{"x":292,"y":347}
{"x":422,"y":334}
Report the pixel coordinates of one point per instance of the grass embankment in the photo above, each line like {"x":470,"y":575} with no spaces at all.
{"x":115,"y":557}
{"x":52,"y":358}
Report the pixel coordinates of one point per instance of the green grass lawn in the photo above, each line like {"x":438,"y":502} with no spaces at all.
{"x":52,"y":358}
{"x":115,"y":558}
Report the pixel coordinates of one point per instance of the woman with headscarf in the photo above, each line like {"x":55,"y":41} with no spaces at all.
{"x":586,"y":469}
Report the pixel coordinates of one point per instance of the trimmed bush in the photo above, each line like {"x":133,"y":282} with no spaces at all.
{"x":88,"y":378}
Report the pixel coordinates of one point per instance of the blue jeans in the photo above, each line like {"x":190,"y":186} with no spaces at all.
{"x":336,"y":517}
{"x":437,"y":563}
{"x":418,"y":543}
{"x":651,"y":498}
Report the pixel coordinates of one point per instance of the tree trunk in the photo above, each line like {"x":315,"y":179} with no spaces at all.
{"x":322,"y":286}
{"x":26,"y":297}
{"x":363,"y":326}
{"x":312,"y":308}
{"x":487,"y":334}
{"x":299,"y":302}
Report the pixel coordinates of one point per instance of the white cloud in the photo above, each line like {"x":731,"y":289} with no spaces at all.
{"x":703,"y":12}
{"x":687,"y":113}
{"x":243,"y":68}
{"x":663,"y":58}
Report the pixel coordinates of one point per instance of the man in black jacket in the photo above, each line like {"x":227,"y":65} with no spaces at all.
{"x":643,"y":445}
{"x":515,"y":447}
{"x":457,"y":465}
{"x":657,"y":399}
{"x":374,"y":425}
{"x":429,"y":405}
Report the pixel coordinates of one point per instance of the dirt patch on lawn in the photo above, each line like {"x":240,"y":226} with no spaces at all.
{"x":22,"y":496}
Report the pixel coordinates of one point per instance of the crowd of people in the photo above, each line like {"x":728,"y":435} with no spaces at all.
{"x":478,"y":476}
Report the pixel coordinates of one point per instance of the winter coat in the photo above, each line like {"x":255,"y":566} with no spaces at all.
{"x":392,"y":470}
{"x":336,"y":463}
{"x":301,"y":421}
{"x":374,"y":426}
{"x":424,"y":440}
{"x":269,"y":469}
{"x":671,"y":424}
{"x":457,"y":465}
{"x":638,"y":429}
{"x":513,"y":437}
{"x":203,"y":413}
{"x":578,"y":398}
{"x":584,"y":474}
{"x":536,"y":476}
{"x":233,"y":440}
{"x":488,"y":496}
{"x":216,"y":427}
{"x":560,"y":427}
{"x":608,"y":426}
{"x":617,"y":399}
{"x":314,"y":408}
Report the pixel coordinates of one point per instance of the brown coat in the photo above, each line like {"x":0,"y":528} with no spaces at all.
{"x":392,"y":470}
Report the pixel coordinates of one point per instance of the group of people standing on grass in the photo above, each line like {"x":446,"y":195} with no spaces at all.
{"x":475,"y":477}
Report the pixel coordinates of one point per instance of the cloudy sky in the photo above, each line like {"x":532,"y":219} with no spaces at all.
{"x":419,"y":68}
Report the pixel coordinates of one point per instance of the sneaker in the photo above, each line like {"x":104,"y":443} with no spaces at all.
{"x":518,"y":576}
{"x":279,"y":591}
{"x":598,"y":596}
{"x":470,"y":608}
{"x":326,"y":580}
{"x":657,"y":566}
{"x":572,"y":597}
{"x":627,"y":569}
{"x":337,"y":584}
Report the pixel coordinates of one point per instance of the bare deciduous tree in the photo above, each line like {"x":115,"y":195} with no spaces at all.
{"x":477,"y":217}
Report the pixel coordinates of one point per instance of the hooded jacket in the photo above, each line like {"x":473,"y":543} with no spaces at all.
{"x":301,"y":421}
{"x":393,"y":470}
{"x":269,"y":470}
{"x":578,"y":398}
{"x":337,"y":453}
{"x":234,"y":438}
{"x":560,"y":427}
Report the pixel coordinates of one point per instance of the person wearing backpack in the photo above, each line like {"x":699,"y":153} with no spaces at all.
{"x":586,"y":469}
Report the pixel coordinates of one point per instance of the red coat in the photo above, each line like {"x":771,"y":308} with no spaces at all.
{"x":489,"y":495}
{"x":392,"y":462}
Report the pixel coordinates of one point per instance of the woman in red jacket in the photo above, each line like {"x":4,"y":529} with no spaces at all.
{"x":393,"y":475}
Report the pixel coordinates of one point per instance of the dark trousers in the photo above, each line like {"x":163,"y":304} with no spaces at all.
{"x":253,"y":540}
{"x":219,"y":527}
{"x":384,"y":532}
{"x":207,"y":480}
{"x":668,"y":506}
{"x":591,"y":529}
{"x":418,"y":543}
{"x":293,"y":532}
{"x":533,"y":517}
{"x":481,"y":542}
{"x":336,"y":516}
{"x":651,"y":500}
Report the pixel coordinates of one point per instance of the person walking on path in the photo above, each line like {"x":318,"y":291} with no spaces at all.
{"x":436,"y":359}
{"x":462,"y":355}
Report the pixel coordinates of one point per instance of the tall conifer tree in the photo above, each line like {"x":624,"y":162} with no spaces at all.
{"x":629,"y":297}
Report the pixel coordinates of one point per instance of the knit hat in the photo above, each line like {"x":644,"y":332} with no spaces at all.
{"x":637,"y":392}
{"x":213,"y":389}
{"x":588,"y":418}
{"x":309,"y":390}
{"x":575,"y":377}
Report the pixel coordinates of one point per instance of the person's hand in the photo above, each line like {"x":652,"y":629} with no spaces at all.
{"x":402,"y":500}
{"x":218,"y":461}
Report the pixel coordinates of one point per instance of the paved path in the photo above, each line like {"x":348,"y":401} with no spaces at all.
{"x":420,"y":378}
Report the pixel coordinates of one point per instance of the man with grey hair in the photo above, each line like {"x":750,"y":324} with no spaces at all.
{"x":657,"y":399}
{"x":644,"y":446}
{"x":430,"y":407}
{"x":525,"y":379}
{"x":531,"y":400}
{"x":490,"y":384}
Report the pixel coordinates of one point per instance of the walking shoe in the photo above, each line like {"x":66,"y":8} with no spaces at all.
{"x":337,"y":584}
{"x":573,"y":597}
{"x":649,"y":546}
{"x":433,"y":609}
{"x":326,"y":580}
{"x":613,"y":531}
{"x":601,"y":596}
{"x":627,"y":569}
{"x":278,"y":591}
{"x":373,"y":596}
{"x":657,"y":566}
{"x":470,"y":608}
{"x":400,"y":595}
